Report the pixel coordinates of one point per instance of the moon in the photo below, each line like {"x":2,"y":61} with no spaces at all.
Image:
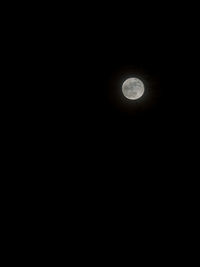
{"x":133,"y":88}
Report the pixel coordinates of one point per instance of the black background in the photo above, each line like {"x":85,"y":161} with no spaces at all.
{"x":80,"y":118}
{"x":95,"y":163}
{"x":69,"y":65}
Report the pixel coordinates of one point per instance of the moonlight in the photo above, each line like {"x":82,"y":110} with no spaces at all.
{"x":133,"y":88}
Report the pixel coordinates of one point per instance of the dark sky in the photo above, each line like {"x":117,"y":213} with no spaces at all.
{"x":97,"y":163}
{"x":84,"y":111}
{"x":92,"y":60}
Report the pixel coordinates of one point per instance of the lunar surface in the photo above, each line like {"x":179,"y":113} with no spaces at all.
{"x":133,"y":88}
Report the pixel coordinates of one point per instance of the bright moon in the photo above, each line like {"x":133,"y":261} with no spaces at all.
{"x":133,"y":88}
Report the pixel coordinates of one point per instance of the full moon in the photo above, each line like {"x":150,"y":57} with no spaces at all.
{"x":133,"y":88}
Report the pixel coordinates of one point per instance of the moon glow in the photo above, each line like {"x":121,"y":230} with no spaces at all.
{"x":133,"y":88}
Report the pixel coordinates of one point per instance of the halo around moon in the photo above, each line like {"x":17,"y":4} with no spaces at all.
{"x":133,"y":88}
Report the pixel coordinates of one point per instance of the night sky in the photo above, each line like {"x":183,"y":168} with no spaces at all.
{"x":92,"y":128}
{"x":88,"y":170}
{"x":88,"y":66}
{"x":102,"y":168}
